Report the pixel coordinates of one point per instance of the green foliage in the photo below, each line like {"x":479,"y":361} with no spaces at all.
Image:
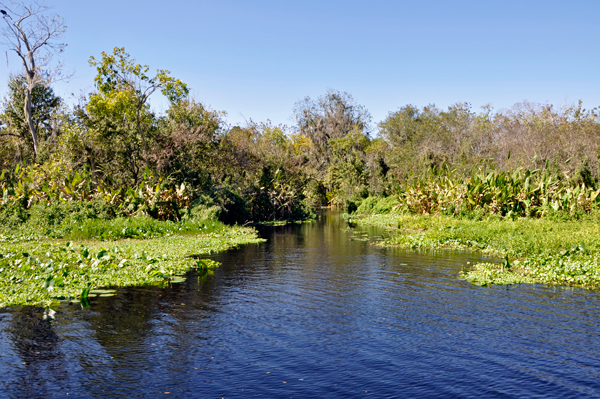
{"x":259,"y":173}
{"x":45,"y":105}
{"x":534,"y":250}
{"x":531,"y":160}
{"x":140,"y":227}
{"x":378,"y":205}
{"x":38,"y":273}
{"x":119,"y":113}
{"x":184,"y":145}
{"x":118,"y":71}
{"x":514,"y":193}
{"x":386,"y":205}
{"x":32,"y":202}
{"x":367,"y":205}
{"x":59,"y":218}
{"x":347,"y":177}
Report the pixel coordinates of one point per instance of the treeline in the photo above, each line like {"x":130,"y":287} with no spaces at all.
{"x":112,"y":150}
{"x":527,"y":135}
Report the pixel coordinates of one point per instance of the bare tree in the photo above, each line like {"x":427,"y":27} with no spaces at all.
{"x":31,"y":32}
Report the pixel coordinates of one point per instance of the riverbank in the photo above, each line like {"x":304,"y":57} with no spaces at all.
{"x":39,"y":271}
{"x":534,"y":250}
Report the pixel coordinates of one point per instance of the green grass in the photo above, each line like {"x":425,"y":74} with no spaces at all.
{"x":41,"y":272}
{"x":550,"y":251}
{"x":86,"y":221}
{"x":139,"y":227}
{"x":377,"y":205}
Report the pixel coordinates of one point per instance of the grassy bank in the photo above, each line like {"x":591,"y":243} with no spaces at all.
{"x":546,"y":250}
{"x":40,"y":271}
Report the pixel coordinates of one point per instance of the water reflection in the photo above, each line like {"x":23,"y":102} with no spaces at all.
{"x":36,"y":348}
{"x":315,"y":311}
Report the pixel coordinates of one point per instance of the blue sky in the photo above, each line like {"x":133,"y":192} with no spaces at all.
{"x":255,"y":59}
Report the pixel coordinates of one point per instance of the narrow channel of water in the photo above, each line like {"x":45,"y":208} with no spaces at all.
{"x":316,"y":311}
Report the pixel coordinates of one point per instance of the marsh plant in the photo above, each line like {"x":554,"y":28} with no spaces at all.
{"x":112,"y":169}
{"x":516,"y":193}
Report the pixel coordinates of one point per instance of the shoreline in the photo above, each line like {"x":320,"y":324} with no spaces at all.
{"x":535,"y":251}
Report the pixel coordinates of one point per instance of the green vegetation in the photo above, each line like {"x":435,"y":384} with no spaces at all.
{"x":543,"y":222}
{"x":521,"y":183}
{"x":39,"y":273}
{"x":548,"y":250}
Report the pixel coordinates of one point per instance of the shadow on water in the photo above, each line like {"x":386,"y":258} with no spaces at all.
{"x":315,"y":311}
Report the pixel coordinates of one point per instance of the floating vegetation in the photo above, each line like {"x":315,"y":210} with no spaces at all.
{"x":284,"y":222}
{"x":544,"y":250}
{"x":41,"y":273}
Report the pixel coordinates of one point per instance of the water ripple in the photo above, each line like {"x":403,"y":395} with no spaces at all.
{"x":311,"y":313}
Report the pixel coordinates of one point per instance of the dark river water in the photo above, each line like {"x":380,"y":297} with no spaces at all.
{"x":317,"y":311}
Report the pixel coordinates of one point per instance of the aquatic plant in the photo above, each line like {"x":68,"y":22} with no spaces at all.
{"x":25,"y":186}
{"x":542,"y":250}
{"x":40,"y":273}
{"x":520,"y":192}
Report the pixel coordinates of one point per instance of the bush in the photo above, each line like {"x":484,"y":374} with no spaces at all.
{"x":378,"y":205}
{"x":367,"y":205}
{"x":386,"y":204}
{"x":56,"y":218}
{"x":13,"y":216}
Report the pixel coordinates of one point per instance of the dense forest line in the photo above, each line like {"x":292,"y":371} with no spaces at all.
{"x":113,"y":152}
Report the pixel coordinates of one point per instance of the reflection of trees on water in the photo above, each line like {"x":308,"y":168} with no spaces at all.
{"x":146,"y":331}
{"x":282,"y":302}
{"x":35,"y":342}
{"x":144,"y":336}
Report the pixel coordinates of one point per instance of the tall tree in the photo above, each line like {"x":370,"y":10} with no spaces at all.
{"x":118,"y":73}
{"x":332,"y":116}
{"x":32,"y":33}
{"x":45,"y":104}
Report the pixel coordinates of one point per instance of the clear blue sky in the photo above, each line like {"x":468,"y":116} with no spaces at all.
{"x":255,"y":59}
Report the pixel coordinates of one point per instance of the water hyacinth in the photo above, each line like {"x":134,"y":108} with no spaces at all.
{"x":41,"y":273}
{"x":534,"y":250}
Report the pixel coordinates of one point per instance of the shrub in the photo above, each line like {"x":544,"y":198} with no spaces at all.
{"x":386,"y":204}
{"x":367,"y":205}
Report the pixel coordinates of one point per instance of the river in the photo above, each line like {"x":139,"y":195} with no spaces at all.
{"x":316,"y":311}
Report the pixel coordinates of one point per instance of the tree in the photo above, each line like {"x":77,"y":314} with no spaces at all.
{"x":118,"y":74}
{"x":109,"y":123}
{"x":347,"y":175}
{"x":332,"y":116}
{"x":32,"y":35}
{"x":399,"y":127}
{"x":44,"y":104}
{"x":185,"y":142}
